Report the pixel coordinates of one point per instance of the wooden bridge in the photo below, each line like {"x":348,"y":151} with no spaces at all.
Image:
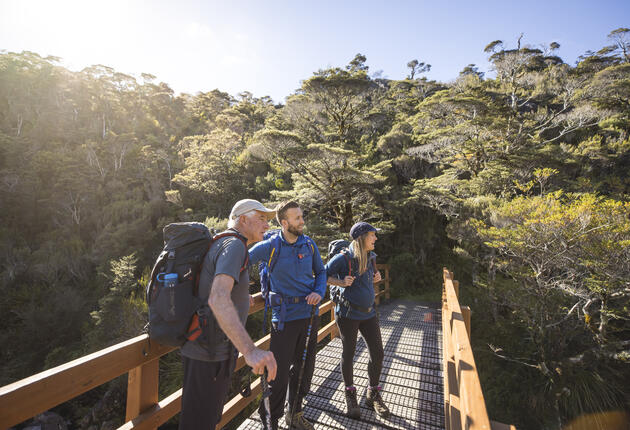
{"x":429,"y":375}
{"x":411,"y":377}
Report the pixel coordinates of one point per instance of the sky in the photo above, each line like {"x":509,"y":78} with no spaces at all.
{"x":268,"y":47}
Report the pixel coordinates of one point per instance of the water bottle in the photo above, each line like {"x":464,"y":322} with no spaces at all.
{"x":170,"y":280}
{"x":167,"y":280}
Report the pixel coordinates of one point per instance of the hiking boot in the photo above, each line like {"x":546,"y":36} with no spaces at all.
{"x":375,"y":401}
{"x":353,"y":410}
{"x":299,"y":422}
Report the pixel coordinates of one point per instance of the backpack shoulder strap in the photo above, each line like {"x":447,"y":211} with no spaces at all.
{"x":344,"y":252}
{"x":276,"y":243}
{"x":233,"y":234}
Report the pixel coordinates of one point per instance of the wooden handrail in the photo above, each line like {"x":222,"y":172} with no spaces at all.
{"x":139,"y":357}
{"x":464,"y":404}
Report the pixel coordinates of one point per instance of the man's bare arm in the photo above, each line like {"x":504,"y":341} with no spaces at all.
{"x":220,"y":301}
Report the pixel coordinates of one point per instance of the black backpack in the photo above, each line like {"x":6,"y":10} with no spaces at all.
{"x":336,"y":246}
{"x":176,"y":313}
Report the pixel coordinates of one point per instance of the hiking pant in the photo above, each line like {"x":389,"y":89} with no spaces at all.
{"x":288,"y":348}
{"x":206,"y":385}
{"x":371,"y":332}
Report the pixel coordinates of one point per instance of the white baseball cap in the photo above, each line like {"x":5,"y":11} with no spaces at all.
{"x":246,"y":205}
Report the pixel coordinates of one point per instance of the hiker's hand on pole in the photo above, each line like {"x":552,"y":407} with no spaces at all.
{"x":348,"y":280}
{"x":259,"y":359}
{"x":313,"y":299}
{"x":377,"y":276}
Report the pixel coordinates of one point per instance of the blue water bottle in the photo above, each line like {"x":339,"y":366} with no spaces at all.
{"x":167,"y":280}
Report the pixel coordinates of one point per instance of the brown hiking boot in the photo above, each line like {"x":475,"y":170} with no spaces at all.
{"x":375,"y":401}
{"x":299,"y":422}
{"x":353,"y":410}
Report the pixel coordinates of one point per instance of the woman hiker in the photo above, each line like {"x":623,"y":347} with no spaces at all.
{"x":354,"y":270}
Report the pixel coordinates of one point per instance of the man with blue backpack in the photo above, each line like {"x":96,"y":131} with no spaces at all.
{"x":293,"y":282}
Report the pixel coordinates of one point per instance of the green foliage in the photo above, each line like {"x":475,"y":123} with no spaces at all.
{"x":122,"y":311}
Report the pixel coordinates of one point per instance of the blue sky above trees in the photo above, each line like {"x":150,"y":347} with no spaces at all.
{"x":268,"y":47}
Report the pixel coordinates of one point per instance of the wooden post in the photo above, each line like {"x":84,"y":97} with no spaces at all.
{"x":335,"y":332}
{"x":387,"y":283}
{"x":142,"y":389}
{"x":456,"y":286}
{"x":466,"y":316}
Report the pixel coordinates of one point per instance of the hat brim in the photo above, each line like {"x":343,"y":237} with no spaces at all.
{"x":271,"y":214}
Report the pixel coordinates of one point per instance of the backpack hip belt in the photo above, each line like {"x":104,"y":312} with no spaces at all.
{"x":347,"y":304}
{"x":277,"y":299}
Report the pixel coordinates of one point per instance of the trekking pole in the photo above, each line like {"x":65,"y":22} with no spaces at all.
{"x":301,"y":374}
{"x":266,"y":392}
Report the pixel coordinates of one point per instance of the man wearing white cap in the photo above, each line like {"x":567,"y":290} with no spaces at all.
{"x":224,"y":281}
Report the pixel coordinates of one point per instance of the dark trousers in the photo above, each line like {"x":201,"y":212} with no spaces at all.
{"x":288,"y":349}
{"x":371,"y":332}
{"x":205,"y":390}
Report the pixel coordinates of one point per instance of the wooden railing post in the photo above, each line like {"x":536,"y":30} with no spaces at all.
{"x":464,"y":404}
{"x":387,"y":282}
{"x":142,"y":389}
{"x":466,"y":316}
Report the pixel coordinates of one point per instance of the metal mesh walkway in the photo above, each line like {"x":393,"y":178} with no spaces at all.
{"x":411,"y":376}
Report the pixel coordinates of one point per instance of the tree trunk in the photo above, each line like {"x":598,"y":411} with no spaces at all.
{"x":603,"y":321}
{"x":345,"y":220}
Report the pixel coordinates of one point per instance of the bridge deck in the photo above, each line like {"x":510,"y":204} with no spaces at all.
{"x":411,"y":377}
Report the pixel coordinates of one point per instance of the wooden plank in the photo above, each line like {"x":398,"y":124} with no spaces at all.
{"x":142,"y":388}
{"x":446,"y":341}
{"x":326,"y":330}
{"x":238,"y":403}
{"x":335,"y":331}
{"x":415,"y":404}
{"x":38,"y":393}
{"x":259,"y":304}
{"x":472,"y":404}
{"x":466,"y":314}
{"x":156,"y":415}
{"x":451,"y":390}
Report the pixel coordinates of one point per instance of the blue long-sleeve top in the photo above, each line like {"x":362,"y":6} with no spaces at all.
{"x":298,"y":272}
{"x":361,"y":292}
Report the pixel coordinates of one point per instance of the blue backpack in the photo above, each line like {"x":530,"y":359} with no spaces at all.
{"x":265,"y":268}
